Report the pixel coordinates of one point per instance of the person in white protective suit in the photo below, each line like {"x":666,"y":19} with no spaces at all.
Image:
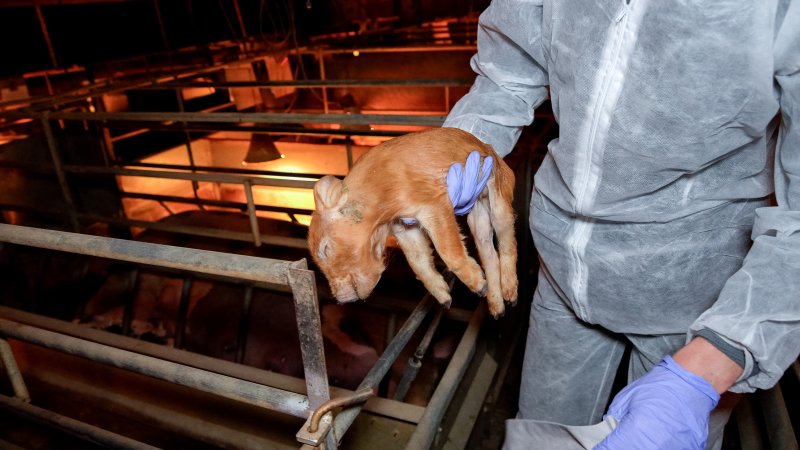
{"x":652,"y":212}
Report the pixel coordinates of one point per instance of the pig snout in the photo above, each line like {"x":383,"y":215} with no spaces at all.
{"x":353,"y":287}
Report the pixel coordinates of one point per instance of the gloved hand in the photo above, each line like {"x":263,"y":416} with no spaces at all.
{"x":668,"y":408}
{"x":465,"y":183}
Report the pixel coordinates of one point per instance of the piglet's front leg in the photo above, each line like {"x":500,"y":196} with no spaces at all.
{"x":417,"y":248}
{"x":442,"y":228}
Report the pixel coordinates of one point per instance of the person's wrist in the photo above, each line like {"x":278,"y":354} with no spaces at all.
{"x":703,"y":359}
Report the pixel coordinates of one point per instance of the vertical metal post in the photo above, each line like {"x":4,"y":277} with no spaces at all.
{"x":195,"y":184}
{"x":244,"y":324}
{"x":239,"y":16}
{"x":17,"y":383}
{"x":349,"y":148}
{"x":447,"y":99}
{"x":321,"y":58}
{"x":309,"y":327}
{"x":62,"y":178}
{"x":251,"y":212}
{"x":130,"y":298}
{"x":161,"y":24}
{"x":183,"y":311}
{"x":46,"y":35}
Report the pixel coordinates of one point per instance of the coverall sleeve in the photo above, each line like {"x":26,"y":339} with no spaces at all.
{"x":511,"y":81}
{"x":758,"y":310}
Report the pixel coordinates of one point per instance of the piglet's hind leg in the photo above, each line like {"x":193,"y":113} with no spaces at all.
{"x":418,"y":251}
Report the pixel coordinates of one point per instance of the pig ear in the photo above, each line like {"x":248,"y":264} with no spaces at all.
{"x":378,"y":241}
{"x":329,"y":193}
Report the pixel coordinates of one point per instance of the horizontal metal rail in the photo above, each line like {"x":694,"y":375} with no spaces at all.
{"x":235,"y":117}
{"x":465,"y":82}
{"x":389,"y":408}
{"x":209,"y":202}
{"x":202,"y":380}
{"x":297,"y":181}
{"x":202,"y":261}
{"x":74,"y":427}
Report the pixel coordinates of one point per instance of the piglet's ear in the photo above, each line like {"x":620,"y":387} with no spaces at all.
{"x":329,"y":193}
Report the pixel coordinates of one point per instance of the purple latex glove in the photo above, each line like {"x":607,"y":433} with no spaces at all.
{"x":668,"y":408}
{"x":465,"y":183}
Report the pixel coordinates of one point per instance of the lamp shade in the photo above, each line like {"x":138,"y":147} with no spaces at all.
{"x":261,"y":149}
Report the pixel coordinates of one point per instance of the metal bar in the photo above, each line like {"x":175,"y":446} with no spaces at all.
{"x":183,"y":310}
{"x":309,"y":328}
{"x":280,"y":130}
{"x":161,"y":24}
{"x":202,"y":261}
{"x":239,"y":17}
{"x":188,"y":137}
{"x":385,"y":407}
{"x":349,"y":150}
{"x":251,"y":212}
{"x":426,"y":431}
{"x":52,"y":145}
{"x":244,"y":322}
{"x":415,"y":362}
{"x":294,"y":182}
{"x":345,"y":419}
{"x":322,"y":83}
{"x":76,"y":428}
{"x":238,"y":117}
{"x":202,"y":380}
{"x":199,"y":231}
{"x":339,"y":402}
{"x":45,"y":34}
{"x":216,"y":169}
{"x":12,"y":369}
{"x":409,"y":49}
{"x":130,"y":301}
{"x":321,"y":59}
{"x":208,"y":202}
{"x":159,"y":416}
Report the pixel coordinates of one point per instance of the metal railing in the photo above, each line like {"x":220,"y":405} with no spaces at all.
{"x":218,"y":378}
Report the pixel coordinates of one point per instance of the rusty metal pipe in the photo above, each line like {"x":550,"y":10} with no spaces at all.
{"x":76,"y":428}
{"x":202,"y":380}
{"x":340,"y":402}
{"x":236,"y":117}
{"x":243,"y":267}
{"x":14,"y":375}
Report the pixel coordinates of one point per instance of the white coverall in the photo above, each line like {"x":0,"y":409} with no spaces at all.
{"x":651,"y":212}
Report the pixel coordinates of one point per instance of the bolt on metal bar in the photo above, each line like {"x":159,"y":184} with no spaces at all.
{"x":76,"y":428}
{"x":202,"y":380}
{"x":12,"y":369}
{"x":425,"y":432}
{"x":243,"y":267}
{"x":415,"y":361}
